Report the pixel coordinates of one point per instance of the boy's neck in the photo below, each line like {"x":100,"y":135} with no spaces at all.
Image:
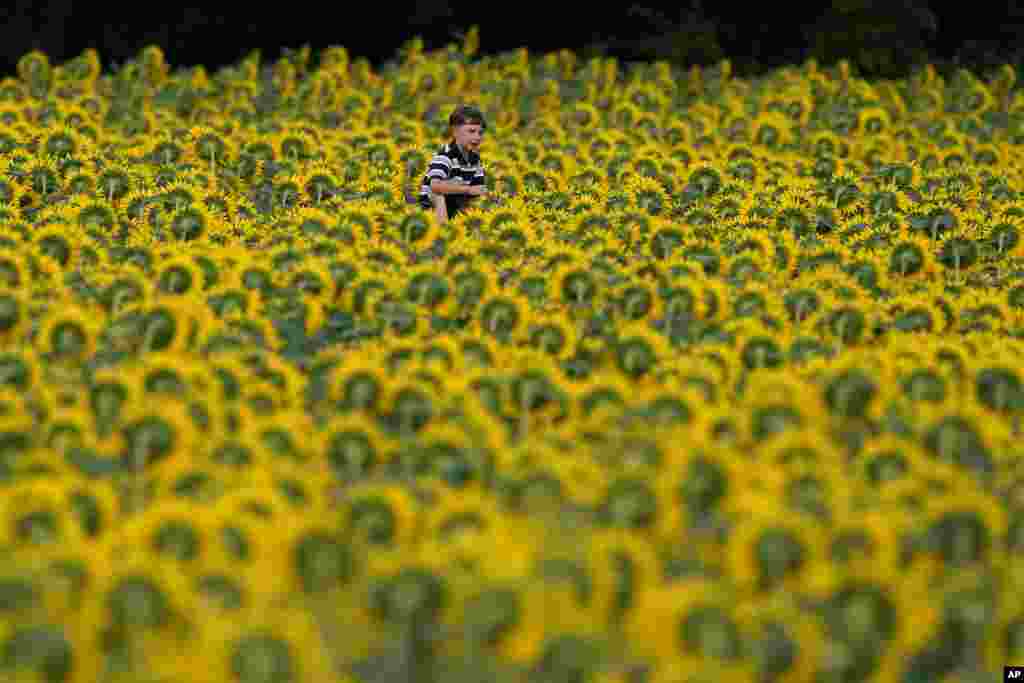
{"x":465,"y":152}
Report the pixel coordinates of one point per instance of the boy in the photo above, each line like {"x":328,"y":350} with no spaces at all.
{"x":455,"y":175}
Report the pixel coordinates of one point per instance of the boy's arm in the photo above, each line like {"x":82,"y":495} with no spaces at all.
{"x":439,"y":177}
{"x":439,"y":186}
{"x":440,"y":208}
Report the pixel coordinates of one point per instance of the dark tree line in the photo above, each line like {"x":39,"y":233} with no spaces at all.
{"x":880,"y":37}
{"x":883,"y":38}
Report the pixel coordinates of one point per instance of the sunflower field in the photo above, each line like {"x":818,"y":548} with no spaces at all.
{"x":721,"y":382}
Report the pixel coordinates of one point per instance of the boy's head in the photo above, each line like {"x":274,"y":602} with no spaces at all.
{"x":466,"y":126}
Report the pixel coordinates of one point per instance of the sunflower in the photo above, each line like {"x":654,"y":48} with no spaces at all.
{"x":71,"y":330}
{"x":395,"y":526}
{"x":242,"y":261}
{"x":314,"y":280}
{"x":755,"y":302}
{"x":115,"y":181}
{"x":67,"y":424}
{"x":139,"y":595}
{"x":364,"y":218}
{"x":989,"y":306}
{"x":713,"y":293}
{"x":460,"y":253}
{"x":799,"y":104}
{"x":175,"y":324}
{"x":354,"y":444}
{"x":319,"y":180}
{"x":154,"y":65}
{"x":868,"y":544}
{"x":916,"y":312}
{"x":772,"y":129}
{"x":825,"y":142}
{"x":15,"y":317}
{"x":441,"y":356}
{"x":32,"y":512}
{"x":469,"y":528}
{"x":584,"y":116}
{"x":178,"y":194}
{"x":771,"y":621}
{"x":561,"y":252}
{"x":873,"y":120}
{"x":232,"y":304}
{"x":10,"y":119}
{"x":953,"y":157}
{"x":307,"y":223}
{"x":988,"y":155}
{"x":800,"y":546}
{"x":648,"y":194}
{"x":278,"y":441}
{"x":383,"y":255}
{"x":758,"y":245}
{"x":159,"y":437}
{"x":141,"y":203}
{"x":1010,"y":211}
{"x":620,"y":562}
{"x":914,"y":256}
{"x":601,"y":398}
{"x":270,"y":635}
{"x":235,"y":460}
{"x":195,"y":374}
{"x":43,"y":175}
{"x":551,"y":333}
{"x":224,"y":205}
{"x":278,"y":374}
{"x":571,"y":279}
{"x":363,"y":295}
{"x":415,"y":229}
{"x":248,"y":518}
{"x":178,"y":277}
{"x":640,"y":349}
{"x":693,"y":379}
{"x":964,"y":501}
{"x":670,"y":605}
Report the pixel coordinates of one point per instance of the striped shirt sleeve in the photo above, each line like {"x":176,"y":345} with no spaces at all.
{"x":440,"y":168}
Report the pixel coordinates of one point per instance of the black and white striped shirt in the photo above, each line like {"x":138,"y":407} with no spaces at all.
{"x":451,"y":164}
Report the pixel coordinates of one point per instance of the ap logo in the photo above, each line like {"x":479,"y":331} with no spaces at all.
{"x":1013,"y":673}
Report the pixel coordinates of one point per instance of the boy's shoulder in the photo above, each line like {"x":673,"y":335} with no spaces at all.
{"x":451,"y":150}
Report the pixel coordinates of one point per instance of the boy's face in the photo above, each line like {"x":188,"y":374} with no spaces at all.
{"x":469,"y":136}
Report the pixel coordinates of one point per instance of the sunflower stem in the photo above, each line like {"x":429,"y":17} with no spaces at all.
{"x":524,"y":414}
{"x":147,"y":340}
{"x":329,"y":636}
{"x":138,"y":462}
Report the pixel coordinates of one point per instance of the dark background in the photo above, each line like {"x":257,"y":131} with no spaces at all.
{"x":880,"y":37}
